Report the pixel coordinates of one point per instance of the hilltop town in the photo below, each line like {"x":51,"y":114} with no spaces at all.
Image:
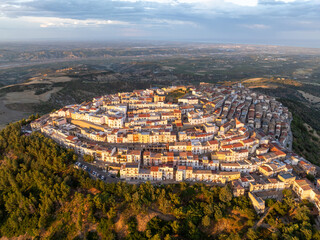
{"x":207,"y":133}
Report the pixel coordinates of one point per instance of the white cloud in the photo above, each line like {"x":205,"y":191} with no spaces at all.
{"x":248,"y":3}
{"x":286,"y":1}
{"x":216,"y":3}
{"x":256,"y":26}
{"x":46,"y":22}
{"x":167,"y":21}
{"x":153,"y":1}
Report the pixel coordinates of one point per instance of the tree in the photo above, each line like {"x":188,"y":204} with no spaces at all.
{"x":175,"y":227}
{"x":132,"y":224}
{"x":225,"y":194}
{"x":167,"y":237}
{"x":156,"y":237}
{"x":112,"y":214}
{"x":217,"y":213}
{"x":270,"y":202}
{"x":307,"y":233}
{"x":281,"y":208}
{"x":206,"y":221}
{"x":136,"y":197}
{"x":234,"y":236}
{"x":92,"y":235}
{"x":287,"y":193}
{"x":148,"y":233}
{"x":88,"y":158}
{"x":316,"y":235}
{"x":302,"y":213}
{"x":251,"y":234}
{"x":104,"y":228}
{"x":208,"y":209}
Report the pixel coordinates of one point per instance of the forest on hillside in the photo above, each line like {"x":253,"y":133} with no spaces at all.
{"x":42,"y":196}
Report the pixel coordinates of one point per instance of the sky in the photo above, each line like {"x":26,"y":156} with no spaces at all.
{"x":275,"y":22}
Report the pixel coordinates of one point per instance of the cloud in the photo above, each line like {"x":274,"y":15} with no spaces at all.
{"x":136,"y":10}
{"x":256,"y":26}
{"x":232,"y":20}
{"x":197,"y":2}
{"x":249,"y":3}
{"x":46,"y":22}
{"x":157,"y":21}
{"x":286,"y":1}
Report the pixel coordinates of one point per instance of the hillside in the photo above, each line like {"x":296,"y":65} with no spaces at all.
{"x":43,"y":196}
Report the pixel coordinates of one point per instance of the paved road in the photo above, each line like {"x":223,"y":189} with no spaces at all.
{"x":92,"y":167}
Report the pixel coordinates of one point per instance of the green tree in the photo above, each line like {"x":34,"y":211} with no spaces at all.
{"x":251,"y":234}
{"x":302,"y":213}
{"x":307,"y":233}
{"x":225,"y":194}
{"x":88,"y":158}
{"x":112,"y":214}
{"x":149,"y":233}
{"x":92,"y":235}
{"x":175,"y":227}
{"x":167,"y":237}
{"x":156,"y":237}
{"x":208,"y":209}
{"x":287,"y":193}
{"x":217,"y":213}
{"x":206,"y":221}
{"x":234,"y":236}
{"x":132,"y":224}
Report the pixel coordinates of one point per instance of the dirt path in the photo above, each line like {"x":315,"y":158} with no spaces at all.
{"x":258,"y":224}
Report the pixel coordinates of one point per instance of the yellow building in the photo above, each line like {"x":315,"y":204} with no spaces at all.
{"x":257,"y":202}
{"x":145,"y":137}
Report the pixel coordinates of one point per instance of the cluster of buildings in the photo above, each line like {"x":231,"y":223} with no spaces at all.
{"x":213,"y":134}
